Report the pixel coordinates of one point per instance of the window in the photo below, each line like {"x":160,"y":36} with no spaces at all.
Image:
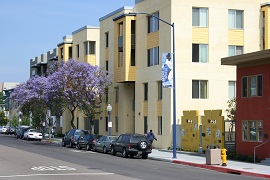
{"x":153,"y":56}
{"x":107,"y":67}
{"x":252,"y":130}
{"x":117,"y":94}
{"x":159,"y":125}
{"x":232,"y":89}
{"x":132,"y":57}
{"x":200,"y":17}
{"x":145,"y":91}
{"x":78,"y":50}
{"x":153,"y":23}
{"x":235,"y":19}
{"x":235,"y":50}
{"x":200,"y":53}
{"x":116,"y":123}
{"x":106,"y":126}
{"x":199,"y":89}
{"x":106,"y":95}
{"x":107,"y":39}
{"x":120,"y":59}
{"x":252,"y":86}
{"x":61,"y":53}
{"x":90,"y":47}
{"x":159,"y":84}
{"x":145,"y":124}
{"x":69,"y":52}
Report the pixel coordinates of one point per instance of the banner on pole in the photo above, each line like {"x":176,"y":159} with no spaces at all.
{"x":167,"y":70}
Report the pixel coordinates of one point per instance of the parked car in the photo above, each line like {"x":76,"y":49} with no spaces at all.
{"x":32,"y":134}
{"x":103,"y":144}
{"x":4,"y":129}
{"x":72,"y":136}
{"x":131,"y":145}
{"x":10,"y":130}
{"x":19,"y":132}
{"x":87,"y":142}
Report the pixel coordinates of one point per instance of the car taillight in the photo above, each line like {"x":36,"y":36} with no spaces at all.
{"x":150,"y":147}
{"x":40,"y":134}
{"x":129,"y":146}
{"x":94,"y":140}
{"x":30,"y":134}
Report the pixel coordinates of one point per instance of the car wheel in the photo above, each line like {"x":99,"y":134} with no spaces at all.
{"x":94,"y":148}
{"x":104,"y":150}
{"x":88,"y":147}
{"x":63,"y":143}
{"x":113,"y":152}
{"x":142,"y":145}
{"x":144,"y":156}
{"x":70,"y":144}
{"x":124,"y":153}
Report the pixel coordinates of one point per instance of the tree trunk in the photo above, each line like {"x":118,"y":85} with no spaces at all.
{"x":72,"y":119}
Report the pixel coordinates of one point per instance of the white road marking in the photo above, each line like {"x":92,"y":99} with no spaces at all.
{"x":52,"y":168}
{"x":82,"y":151}
{"x":69,"y":174}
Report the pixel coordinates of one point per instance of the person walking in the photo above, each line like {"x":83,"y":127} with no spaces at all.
{"x":151,"y":136}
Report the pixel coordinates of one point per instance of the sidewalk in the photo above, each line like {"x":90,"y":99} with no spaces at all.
{"x":199,"y":160}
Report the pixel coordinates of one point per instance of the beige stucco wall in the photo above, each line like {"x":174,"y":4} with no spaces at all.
{"x":180,"y":12}
{"x":126,"y":93}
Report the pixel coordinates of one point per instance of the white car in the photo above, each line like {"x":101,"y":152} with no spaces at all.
{"x":4,"y":129}
{"x":32,"y":134}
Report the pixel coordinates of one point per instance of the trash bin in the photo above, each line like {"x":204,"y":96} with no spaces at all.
{"x":213,"y":154}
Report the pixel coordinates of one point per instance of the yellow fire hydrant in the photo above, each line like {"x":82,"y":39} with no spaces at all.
{"x":224,"y":157}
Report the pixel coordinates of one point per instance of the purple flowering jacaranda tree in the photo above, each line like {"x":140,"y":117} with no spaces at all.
{"x":30,"y":96}
{"x":79,"y":85}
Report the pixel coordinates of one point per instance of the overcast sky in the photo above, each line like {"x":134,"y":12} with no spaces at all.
{"x":29,"y":28}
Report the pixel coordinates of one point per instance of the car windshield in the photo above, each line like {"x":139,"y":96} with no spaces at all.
{"x":112,"y":138}
{"x":136,"y":139}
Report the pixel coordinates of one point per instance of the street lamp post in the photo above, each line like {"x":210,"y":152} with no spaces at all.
{"x":20,"y":118}
{"x":109,"y":109}
{"x":174,"y":84}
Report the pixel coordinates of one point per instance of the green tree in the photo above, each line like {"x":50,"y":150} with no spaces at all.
{"x":3,"y":119}
{"x":15,"y":121}
{"x":2,"y":99}
{"x":231,"y":115}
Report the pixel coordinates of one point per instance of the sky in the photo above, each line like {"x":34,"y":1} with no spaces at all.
{"x":29,"y":28}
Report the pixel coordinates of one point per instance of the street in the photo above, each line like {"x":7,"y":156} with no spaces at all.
{"x":20,"y":159}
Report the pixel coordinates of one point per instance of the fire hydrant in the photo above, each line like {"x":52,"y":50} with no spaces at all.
{"x":224,"y":157}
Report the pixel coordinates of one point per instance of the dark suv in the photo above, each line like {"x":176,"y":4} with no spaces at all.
{"x":72,"y":136}
{"x":131,"y":145}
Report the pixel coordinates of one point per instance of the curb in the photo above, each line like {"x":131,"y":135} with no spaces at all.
{"x":213,"y":168}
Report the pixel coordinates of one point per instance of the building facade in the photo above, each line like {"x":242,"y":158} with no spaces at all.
{"x":132,"y":48}
{"x":252,"y":123}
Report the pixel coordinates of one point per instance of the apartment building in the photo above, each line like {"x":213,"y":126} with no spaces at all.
{"x":132,"y":47}
{"x":83,"y":45}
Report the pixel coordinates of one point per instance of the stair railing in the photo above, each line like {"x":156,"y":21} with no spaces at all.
{"x":257,"y":147}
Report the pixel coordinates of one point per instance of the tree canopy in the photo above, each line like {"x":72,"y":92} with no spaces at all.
{"x":73,"y":84}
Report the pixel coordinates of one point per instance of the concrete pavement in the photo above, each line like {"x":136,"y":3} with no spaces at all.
{"x":199,"y":160}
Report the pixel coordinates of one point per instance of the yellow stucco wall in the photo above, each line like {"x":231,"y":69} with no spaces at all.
{"x":217,"y":35}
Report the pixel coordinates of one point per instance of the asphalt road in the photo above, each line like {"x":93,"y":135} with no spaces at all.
{"x":20,"y":159}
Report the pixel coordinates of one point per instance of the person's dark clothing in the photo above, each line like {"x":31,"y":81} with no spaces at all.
{"x":151,"y":137}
